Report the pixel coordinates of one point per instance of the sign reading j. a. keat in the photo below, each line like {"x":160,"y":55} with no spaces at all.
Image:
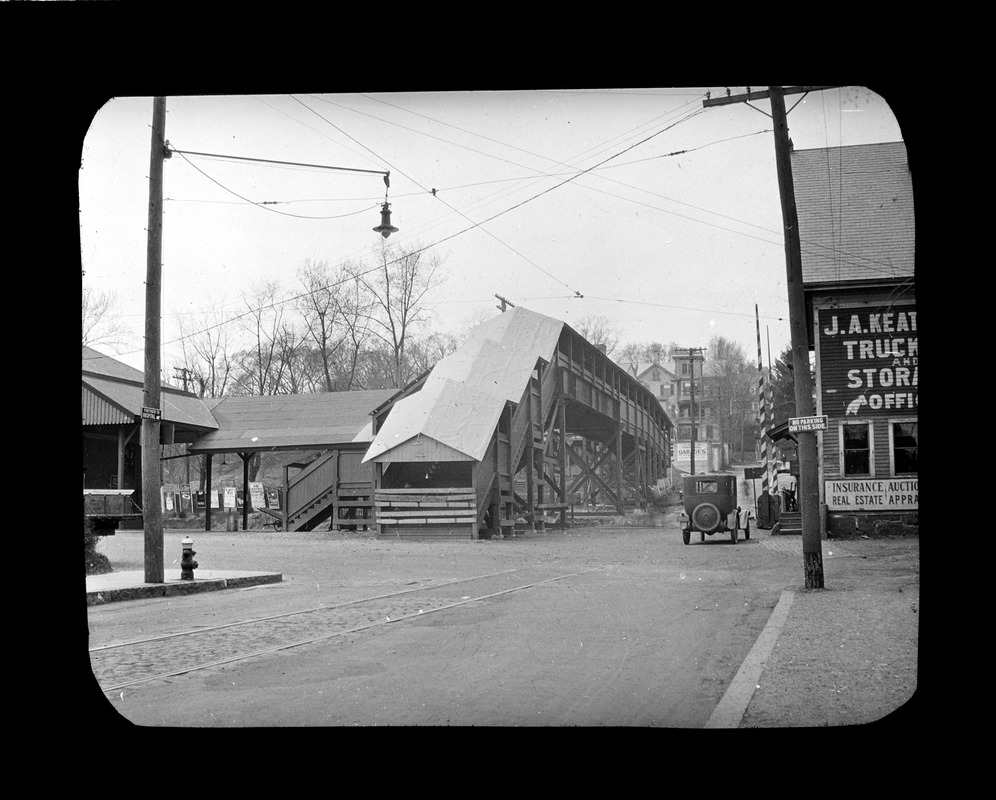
{"x":869,"y":361}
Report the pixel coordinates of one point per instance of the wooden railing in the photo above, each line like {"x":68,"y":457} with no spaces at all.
{"x":307,"y":487}
{"x":450,"y":505}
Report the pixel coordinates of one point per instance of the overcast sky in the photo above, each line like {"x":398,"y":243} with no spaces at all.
{"x":637,"y":205}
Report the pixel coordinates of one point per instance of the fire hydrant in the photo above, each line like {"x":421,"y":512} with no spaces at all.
{"x":187,"y":563}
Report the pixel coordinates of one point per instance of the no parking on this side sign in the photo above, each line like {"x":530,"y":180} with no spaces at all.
{"x":798,"y":424}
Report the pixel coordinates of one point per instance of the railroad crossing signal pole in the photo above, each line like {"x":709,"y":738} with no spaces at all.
{"x":809,"y":492}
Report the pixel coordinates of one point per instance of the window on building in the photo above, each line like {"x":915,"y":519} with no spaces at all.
{"x":657,"y":375}
{"x":856,"y":447}
{"x":904,"y":447}
{"x":684,"y":367}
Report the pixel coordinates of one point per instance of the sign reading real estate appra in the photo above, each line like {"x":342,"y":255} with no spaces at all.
{"x":871,"y":494}
{"x":869,"y":361}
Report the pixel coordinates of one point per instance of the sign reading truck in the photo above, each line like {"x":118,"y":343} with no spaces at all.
{"x":869,"y":361}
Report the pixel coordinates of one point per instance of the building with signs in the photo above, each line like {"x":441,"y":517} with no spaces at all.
{"x":856,"y":224}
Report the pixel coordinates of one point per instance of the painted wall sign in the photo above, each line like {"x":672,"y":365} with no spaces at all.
{"x":870,"y":494}
{"x":869,"y":361}
{"x":683,"y":451}
{"x":256,"y":495}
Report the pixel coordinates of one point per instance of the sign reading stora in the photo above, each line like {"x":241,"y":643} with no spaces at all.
{"x":869,"y":361}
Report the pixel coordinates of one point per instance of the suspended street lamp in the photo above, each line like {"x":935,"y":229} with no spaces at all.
{"x":385,"y":228}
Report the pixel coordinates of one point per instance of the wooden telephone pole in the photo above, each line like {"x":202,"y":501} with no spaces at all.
{"x":152,"y":511}
{"x":809,"y":491}
{"x":691,"y":406}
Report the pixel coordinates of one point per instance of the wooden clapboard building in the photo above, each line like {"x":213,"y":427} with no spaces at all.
{"x":510,"y":427}
{"x":856,"y":223}
{"x":112,"y":400}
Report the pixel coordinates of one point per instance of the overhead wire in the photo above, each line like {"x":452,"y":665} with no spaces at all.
{"x":434,"y":244}
{"x":569,"y":179}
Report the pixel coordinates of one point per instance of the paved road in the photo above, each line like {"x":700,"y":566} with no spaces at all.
{"x":586,"y":627}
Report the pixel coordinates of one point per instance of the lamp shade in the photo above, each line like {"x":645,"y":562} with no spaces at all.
{"x":385,"y":228}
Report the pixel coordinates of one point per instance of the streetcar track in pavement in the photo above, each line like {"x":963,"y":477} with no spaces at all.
{"x":332,"y":607}
{"x":375,"y":619}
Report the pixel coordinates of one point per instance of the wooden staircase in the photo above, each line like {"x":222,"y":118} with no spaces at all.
{"x":790,"y":522}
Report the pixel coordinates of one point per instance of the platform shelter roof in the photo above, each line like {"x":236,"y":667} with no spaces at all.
{"x":290,"y":421}
{"x":114,"y":393}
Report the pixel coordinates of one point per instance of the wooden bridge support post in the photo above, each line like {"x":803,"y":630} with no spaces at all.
{"x":619,"y":470}
{"x":562,"y":424}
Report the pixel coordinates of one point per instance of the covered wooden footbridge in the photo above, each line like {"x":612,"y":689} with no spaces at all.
{"x":526,"y":418}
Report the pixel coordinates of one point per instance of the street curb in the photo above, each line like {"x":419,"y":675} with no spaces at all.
{"x":733,"y":706}
{"x":179,"y":588}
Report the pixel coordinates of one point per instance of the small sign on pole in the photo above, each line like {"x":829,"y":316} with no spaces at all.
{"x":798,"y":424}
{"x":151,"y":413}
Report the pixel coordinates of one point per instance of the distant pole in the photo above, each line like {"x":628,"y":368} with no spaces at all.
{"x":809,"y":493}
{"x":691,"y":407}
{"x":152,"y":512}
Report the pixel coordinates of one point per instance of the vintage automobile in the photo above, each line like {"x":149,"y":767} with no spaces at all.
{"x":711,"y":507}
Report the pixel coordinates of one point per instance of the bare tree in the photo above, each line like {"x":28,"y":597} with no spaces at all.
{"x":642,"y":352}
{"x":599,"y":331}
{"x":424,"y":352}
{"x":734,"y":380}
{"x":336,"y":318}
{"x":207,"y":354}
{"x":101,"y":321}
{"x":261,"y":364}
{"x":398,"y":287}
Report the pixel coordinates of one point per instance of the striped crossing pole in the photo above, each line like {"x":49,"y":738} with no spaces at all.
{"x":771,"y":413}
{"x":761,"y":406}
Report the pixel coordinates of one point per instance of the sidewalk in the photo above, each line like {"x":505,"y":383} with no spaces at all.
{"x":117,"y":586}
{"x":847,"y":654}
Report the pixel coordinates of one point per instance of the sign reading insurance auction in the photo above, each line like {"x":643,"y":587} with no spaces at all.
{"x":869,"y":361}
{"x":870,"y":494}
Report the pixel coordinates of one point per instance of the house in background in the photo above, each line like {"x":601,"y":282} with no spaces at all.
{"x":856,"y":224}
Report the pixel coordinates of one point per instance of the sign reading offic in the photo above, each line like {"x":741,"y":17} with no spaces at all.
{"x":797,"y":424}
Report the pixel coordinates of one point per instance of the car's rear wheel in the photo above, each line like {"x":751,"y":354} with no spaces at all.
{"x":686,"y":535}
{"x":707,"y":517}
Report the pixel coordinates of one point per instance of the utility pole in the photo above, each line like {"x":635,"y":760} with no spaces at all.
{"x":152,"y":512}
{"x":183,"y":376}
{"x":691,"y":407}
{"x":504,"y":303}
{"x":809,"y":493}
